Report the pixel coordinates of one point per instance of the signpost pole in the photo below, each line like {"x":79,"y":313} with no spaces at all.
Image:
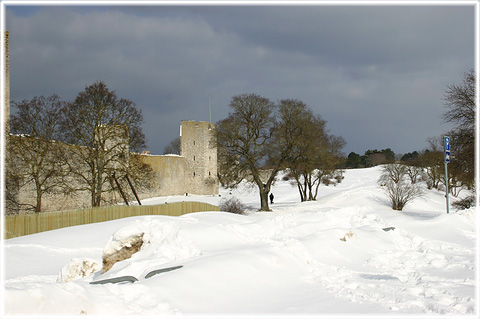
{"x":447,"y":160}
{"x":446,"y":186}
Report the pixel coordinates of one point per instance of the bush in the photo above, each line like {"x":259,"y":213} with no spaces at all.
{"x":465,"y":203}
{"x":232,"y":205}
{"x":401,"y":193}
{"x":327,"y":181}
{"x":397,"y":187}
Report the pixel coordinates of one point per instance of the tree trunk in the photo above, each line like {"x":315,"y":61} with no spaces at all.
{"x":316,"y":190}
{"x":300,"y":191}
{"x":264,"y":200}
{"x":38,"y":206}
{"x":310,"y":186}
{"x":264,"y":189}
{"x":99,"y":179}
{"x":300,"y":188}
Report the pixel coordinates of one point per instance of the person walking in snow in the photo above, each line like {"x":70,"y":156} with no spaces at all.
{"x":271,"y":198}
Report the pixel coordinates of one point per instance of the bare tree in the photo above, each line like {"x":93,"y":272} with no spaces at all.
{"x":308,"y":140}
{"x":460,"y":102}
{"x":316,"y":155}
{"x":397,"y":187}
{"x":253,"y":136}
{"x":34,"y":145}
{"x":461,"y":111}
{"x":247,"y":134}
{"x":102,"y":129}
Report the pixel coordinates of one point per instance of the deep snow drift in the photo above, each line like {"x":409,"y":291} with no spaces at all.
{"x":327,"y":257}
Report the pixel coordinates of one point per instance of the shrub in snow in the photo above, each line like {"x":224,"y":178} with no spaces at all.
{"x":78,"y":268}
{"x":464,"y":203}
{"x":232,"y":205}
{"x":327,"y":181}
{"x":398,"y":188}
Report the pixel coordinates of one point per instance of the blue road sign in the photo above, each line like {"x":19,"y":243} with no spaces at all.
{"x":447,"y":149}
{"x":447,"y":144}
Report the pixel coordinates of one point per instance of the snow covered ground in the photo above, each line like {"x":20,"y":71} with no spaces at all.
{"x":286,"y":263}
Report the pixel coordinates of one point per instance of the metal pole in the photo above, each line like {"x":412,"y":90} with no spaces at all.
{"x":446,"y":187}
{"x":446,"y":144}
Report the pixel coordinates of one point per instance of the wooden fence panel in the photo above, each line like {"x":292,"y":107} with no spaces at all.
{"x":26,"y":224}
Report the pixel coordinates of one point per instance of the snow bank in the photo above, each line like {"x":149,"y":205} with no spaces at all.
{"x":328,"y":257}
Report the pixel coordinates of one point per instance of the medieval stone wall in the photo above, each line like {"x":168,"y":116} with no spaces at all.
{"x":193,"y":172}
{"x":169,"y":176}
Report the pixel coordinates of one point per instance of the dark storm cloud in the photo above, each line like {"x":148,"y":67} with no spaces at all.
{"x":377,"y":74}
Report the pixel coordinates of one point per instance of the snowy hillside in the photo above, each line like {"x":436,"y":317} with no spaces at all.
{"x":327,"y":257}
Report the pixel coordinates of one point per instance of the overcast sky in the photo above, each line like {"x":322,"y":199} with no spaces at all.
{"x":376,"y":74}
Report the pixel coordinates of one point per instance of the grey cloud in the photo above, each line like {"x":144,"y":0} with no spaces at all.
{"x":364,"y":69}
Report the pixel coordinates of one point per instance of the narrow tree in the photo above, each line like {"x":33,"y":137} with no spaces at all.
{"x":315,"y":153}
{"x":102,"y":129}
{"x":307,"y":133}
{"x":36,"y":129}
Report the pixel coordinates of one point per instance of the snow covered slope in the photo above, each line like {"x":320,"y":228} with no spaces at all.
{"x":327,"y":257}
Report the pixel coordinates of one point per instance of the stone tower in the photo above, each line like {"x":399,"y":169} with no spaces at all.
{"x":198,"y":147}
